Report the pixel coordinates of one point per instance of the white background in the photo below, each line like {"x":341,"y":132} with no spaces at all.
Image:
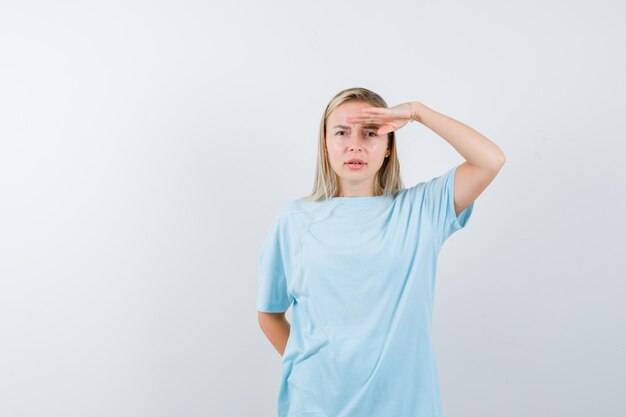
{"x":145,"y":147}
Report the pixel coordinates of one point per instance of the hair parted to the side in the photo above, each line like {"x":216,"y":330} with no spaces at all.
{"x":387,"y":180}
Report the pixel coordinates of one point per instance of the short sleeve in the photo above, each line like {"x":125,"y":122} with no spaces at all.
{"x":272,"y":294}
{"x":439,"y":205}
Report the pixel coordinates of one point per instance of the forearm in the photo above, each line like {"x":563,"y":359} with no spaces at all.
{"x":276,"y":329}
{"x":474,"y":147}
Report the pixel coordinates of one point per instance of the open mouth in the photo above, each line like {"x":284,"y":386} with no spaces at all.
{"x":355,"y":161}
{"x":355,"y":165}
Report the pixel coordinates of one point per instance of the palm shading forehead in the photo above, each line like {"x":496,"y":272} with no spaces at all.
{"x":349,"y":116}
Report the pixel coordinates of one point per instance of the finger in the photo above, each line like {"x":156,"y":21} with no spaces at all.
{"x":363,"y":119}
{"x":369,"y":116}
{"x":385,"y":129}
{"x":375,"y":110}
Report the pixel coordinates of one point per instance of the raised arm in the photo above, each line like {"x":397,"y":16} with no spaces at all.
{"x":483,"y":158}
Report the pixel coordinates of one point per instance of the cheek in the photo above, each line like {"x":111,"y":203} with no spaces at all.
{"x":333,"y":155}
{"x":375,"y":150}
{"x":380,"y":144}
{"x":335,"y":144}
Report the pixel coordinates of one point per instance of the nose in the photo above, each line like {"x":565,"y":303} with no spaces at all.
{"x":355,"y":139}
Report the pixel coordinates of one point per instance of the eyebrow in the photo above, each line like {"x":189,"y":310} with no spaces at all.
{"x":370,"y":126}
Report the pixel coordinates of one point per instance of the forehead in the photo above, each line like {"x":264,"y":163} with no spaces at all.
{"x":342,"y":112}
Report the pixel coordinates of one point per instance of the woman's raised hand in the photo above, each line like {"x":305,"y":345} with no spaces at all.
{"x":391,"y":119}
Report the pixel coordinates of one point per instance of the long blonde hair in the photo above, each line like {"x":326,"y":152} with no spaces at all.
{"x":387,"y":180}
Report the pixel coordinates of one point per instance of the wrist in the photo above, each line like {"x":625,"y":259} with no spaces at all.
{"x":416,"y":108}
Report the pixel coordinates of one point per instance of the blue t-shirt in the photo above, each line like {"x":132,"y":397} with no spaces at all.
{"x":359,"y":273}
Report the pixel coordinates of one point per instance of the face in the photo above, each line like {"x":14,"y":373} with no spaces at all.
{"x":346,"y":141}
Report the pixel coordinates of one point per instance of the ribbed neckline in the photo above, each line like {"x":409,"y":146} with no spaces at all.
{"x":359,"y":200}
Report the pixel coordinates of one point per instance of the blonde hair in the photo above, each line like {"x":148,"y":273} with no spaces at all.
{"x":387,"y":180}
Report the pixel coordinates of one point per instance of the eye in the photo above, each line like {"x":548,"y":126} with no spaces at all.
{"x":373,"y":133}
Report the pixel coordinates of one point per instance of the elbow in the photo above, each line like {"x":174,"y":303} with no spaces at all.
{"x":498,"y":162}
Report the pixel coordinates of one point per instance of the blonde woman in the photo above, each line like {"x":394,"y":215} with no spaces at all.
{"x":356,"y":260}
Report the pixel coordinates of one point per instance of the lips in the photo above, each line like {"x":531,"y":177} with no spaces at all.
{"x":355,"y":160}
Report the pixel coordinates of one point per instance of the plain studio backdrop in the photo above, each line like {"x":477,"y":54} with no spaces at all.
{"x":145,"y":147}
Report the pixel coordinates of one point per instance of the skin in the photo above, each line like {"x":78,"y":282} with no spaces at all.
{"x":276,"y":329}
{"x":483,"y":161}
{"x":483,"y":158}
{"x":354,"y":140}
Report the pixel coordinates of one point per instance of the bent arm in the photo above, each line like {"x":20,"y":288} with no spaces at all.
{"x":276,"y":329}
{"x":483,"y":158}
{"x":477,"y":150}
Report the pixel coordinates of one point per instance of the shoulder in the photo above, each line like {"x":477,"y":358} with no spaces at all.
{"x":294,"y":209}
{"x":427,"y":190}
{"x":300,"y":206}
{"x":412,"y":193}
{"x":298,"y":214}
{"x":288,"y":208}
{"x":434,"y":185}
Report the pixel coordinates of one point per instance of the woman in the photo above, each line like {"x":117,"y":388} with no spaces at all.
{"x":357,"y":261}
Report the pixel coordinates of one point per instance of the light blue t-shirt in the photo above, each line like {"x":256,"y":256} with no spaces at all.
{"x":359,"y":273}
